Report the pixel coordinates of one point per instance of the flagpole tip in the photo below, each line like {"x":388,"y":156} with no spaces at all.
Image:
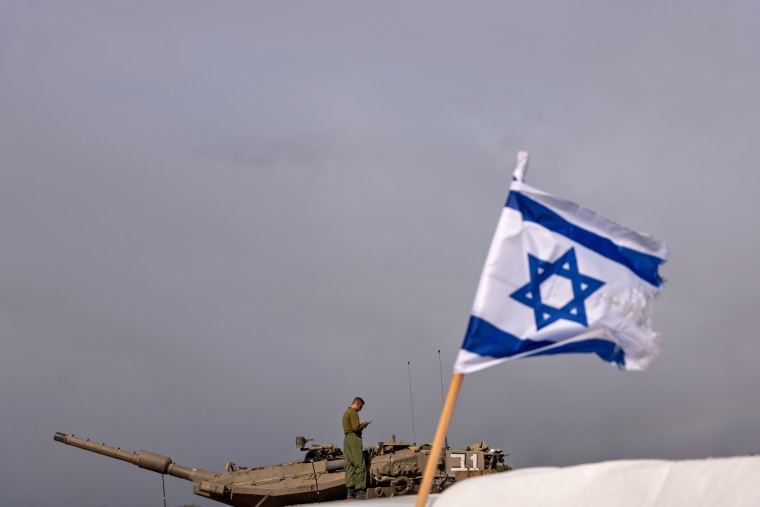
{"x":522,"y":166}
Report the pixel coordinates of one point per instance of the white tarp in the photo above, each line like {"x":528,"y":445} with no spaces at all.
{"x":711,"y":482}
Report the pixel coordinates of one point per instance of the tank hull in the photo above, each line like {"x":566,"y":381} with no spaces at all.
{"x":395,"y":468}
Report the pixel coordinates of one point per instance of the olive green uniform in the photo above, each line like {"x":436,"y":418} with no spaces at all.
{"x":356,"y":468}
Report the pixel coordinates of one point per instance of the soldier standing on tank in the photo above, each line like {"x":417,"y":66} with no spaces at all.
{"x":356,"y":466}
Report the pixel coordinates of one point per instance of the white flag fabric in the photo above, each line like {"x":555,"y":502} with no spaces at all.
{"x":558,"y":279}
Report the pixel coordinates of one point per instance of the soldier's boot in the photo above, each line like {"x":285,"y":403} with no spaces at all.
{"x":361,"y":494}
{"x":351,"y":493}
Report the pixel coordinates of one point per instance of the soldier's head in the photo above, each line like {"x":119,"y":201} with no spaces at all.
{"x":357,"y":404}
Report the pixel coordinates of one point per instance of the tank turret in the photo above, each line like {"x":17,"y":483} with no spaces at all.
{"x":271,"y":486}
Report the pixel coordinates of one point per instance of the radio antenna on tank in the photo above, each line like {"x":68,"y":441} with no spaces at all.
{"x":443,"y":398}
{"x":409,"y":366}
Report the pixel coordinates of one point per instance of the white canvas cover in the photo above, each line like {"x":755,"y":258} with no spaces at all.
{"x":641,"y":483}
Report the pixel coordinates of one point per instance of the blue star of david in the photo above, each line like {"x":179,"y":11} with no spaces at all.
{"x":566,"y":266}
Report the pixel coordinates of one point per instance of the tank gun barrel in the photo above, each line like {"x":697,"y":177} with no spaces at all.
{"x":144,"y":459}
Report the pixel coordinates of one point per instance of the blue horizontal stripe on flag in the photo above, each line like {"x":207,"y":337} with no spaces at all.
{"x":643,"y":265}
{"x":485,"y":339}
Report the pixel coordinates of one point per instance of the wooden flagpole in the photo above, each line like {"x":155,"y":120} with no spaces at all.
{"x":456,"y":383}
{"x":440,"y":434}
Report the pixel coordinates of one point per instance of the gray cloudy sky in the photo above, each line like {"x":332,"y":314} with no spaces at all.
{"x":220,"y":221}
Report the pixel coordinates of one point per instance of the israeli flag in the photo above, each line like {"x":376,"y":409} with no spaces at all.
{"x":559,"y":279}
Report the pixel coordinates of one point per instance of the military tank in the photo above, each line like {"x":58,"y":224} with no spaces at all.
{"x":394,"y":468}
